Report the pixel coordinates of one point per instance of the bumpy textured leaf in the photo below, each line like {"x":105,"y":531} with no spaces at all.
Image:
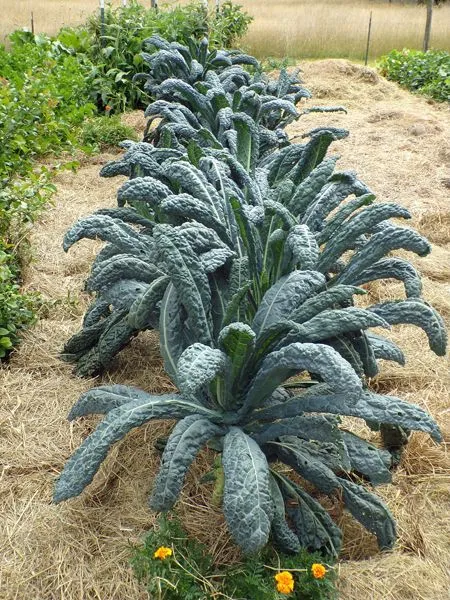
{"x":104,"y":398}
{"x":363,"y":222}
{"x":313,"y":153}
{"x":121,"y":267}
{"x":303,"y":248}
{"x":339,"y":187}
{"x":237,"y":340}
{"x":193,"y":182}
{"x":84,"y":339}
{"x":280,"y":301}
{"x":185,"y":206}
{"x":189,"y":280}
{"x":342,"y":213}
{"x":307,"y":191}
{"x":393,"y":268}
{"x":417,"y":313}
{"x":367,"y":459}
{"x":371,"y":407}
{"x":247,"y":502}
{"x":307,"y":427}
{"x":385,"y":349}
{"x":172,"y":342}
{"x":313,"y":525}
{"x":143,"y":311}
{"x":298,"y":455}
{"x":370,"y":512}
{"x":84,"y":463}
{"x":185,"y":441}
{"x":338,"y":295}
{"x":99,"y":309}
{"x":122,"y":294}
{"x":127,"y":215}
{"x":247,"y":147}
{"x":143,"y":189}
{"x":278,"y":366}
{"x":115,"y":337}
{"x":388,"y":239}
{"x":332,"y":323}
{"x":107,"y":229}
{"x":282,"y":534}
{"x":198,"y":366}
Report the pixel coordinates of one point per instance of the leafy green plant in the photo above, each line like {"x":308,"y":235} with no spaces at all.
{"x":174,"y":566}
{"x":44,"y":97}
{"x":189,"y":63}
{"x":17,"y":310}
{"x":182,"y":572}
{"x":228,"y":25}
{"x":425,"y":72}
{"x":43,"y":100}
{"x":249,"y":265}
{"x":102,"y":132}
{"x":114,"y":56}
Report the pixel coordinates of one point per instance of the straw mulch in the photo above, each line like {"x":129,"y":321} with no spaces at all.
{"x":79,"y":550}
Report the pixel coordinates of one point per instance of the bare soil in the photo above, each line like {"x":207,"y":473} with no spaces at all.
{"x":400,"y":146}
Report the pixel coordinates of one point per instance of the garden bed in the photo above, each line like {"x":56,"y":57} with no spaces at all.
{"x":80,"y":549}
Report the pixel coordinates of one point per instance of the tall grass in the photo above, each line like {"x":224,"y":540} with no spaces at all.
{"x":296,"y":28}
{"x":333,"y":28}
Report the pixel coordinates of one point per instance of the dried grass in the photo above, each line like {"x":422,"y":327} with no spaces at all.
{"x":331,"y":28}
{"x":80,"y":549}
{"x":296,"y":28}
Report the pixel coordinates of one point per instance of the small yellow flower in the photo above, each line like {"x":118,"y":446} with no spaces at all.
{"x":285,"y":582}
{"x":318,"y":571}
{"x":162,"y":553}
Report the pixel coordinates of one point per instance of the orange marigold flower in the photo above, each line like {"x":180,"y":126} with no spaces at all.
{"x":318,"y":571}
{"x":285,"y":582}
{"x":163,"y":553}
{"x":108,"y":108}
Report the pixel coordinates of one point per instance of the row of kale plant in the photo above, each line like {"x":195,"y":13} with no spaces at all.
{"x":247,"y":253}
{"x":50,"y":91}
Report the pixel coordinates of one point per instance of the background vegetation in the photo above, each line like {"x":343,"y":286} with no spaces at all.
{"x":297,"y":28}
{"x":50,"y":91}
{"x":425,"y":72}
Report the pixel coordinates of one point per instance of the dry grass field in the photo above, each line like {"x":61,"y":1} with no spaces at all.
{"x":338,"y":28}
{"x":294,"y":28}
{"x":400,"y":146}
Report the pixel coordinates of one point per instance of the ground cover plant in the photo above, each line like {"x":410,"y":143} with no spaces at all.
{"x":172,"y":565}
{"x":248,"y":262}
{"x":427,"y":73}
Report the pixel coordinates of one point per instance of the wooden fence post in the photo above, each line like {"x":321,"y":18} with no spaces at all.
{"x":426,"y":37}
{"x":368,"y":39}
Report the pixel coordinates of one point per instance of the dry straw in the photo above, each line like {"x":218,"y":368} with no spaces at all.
{"x":296,"y":28}
{"x":80,"y":549}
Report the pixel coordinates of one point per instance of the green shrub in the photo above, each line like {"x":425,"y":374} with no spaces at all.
{"x":17,"y":310}
{"x":189,"y":574}
{"x":44,"y":98}
{"x":425,"y":72}
{"x":116,"y":57}
{"x":228,"y":25}
{"x":102,"y":132}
